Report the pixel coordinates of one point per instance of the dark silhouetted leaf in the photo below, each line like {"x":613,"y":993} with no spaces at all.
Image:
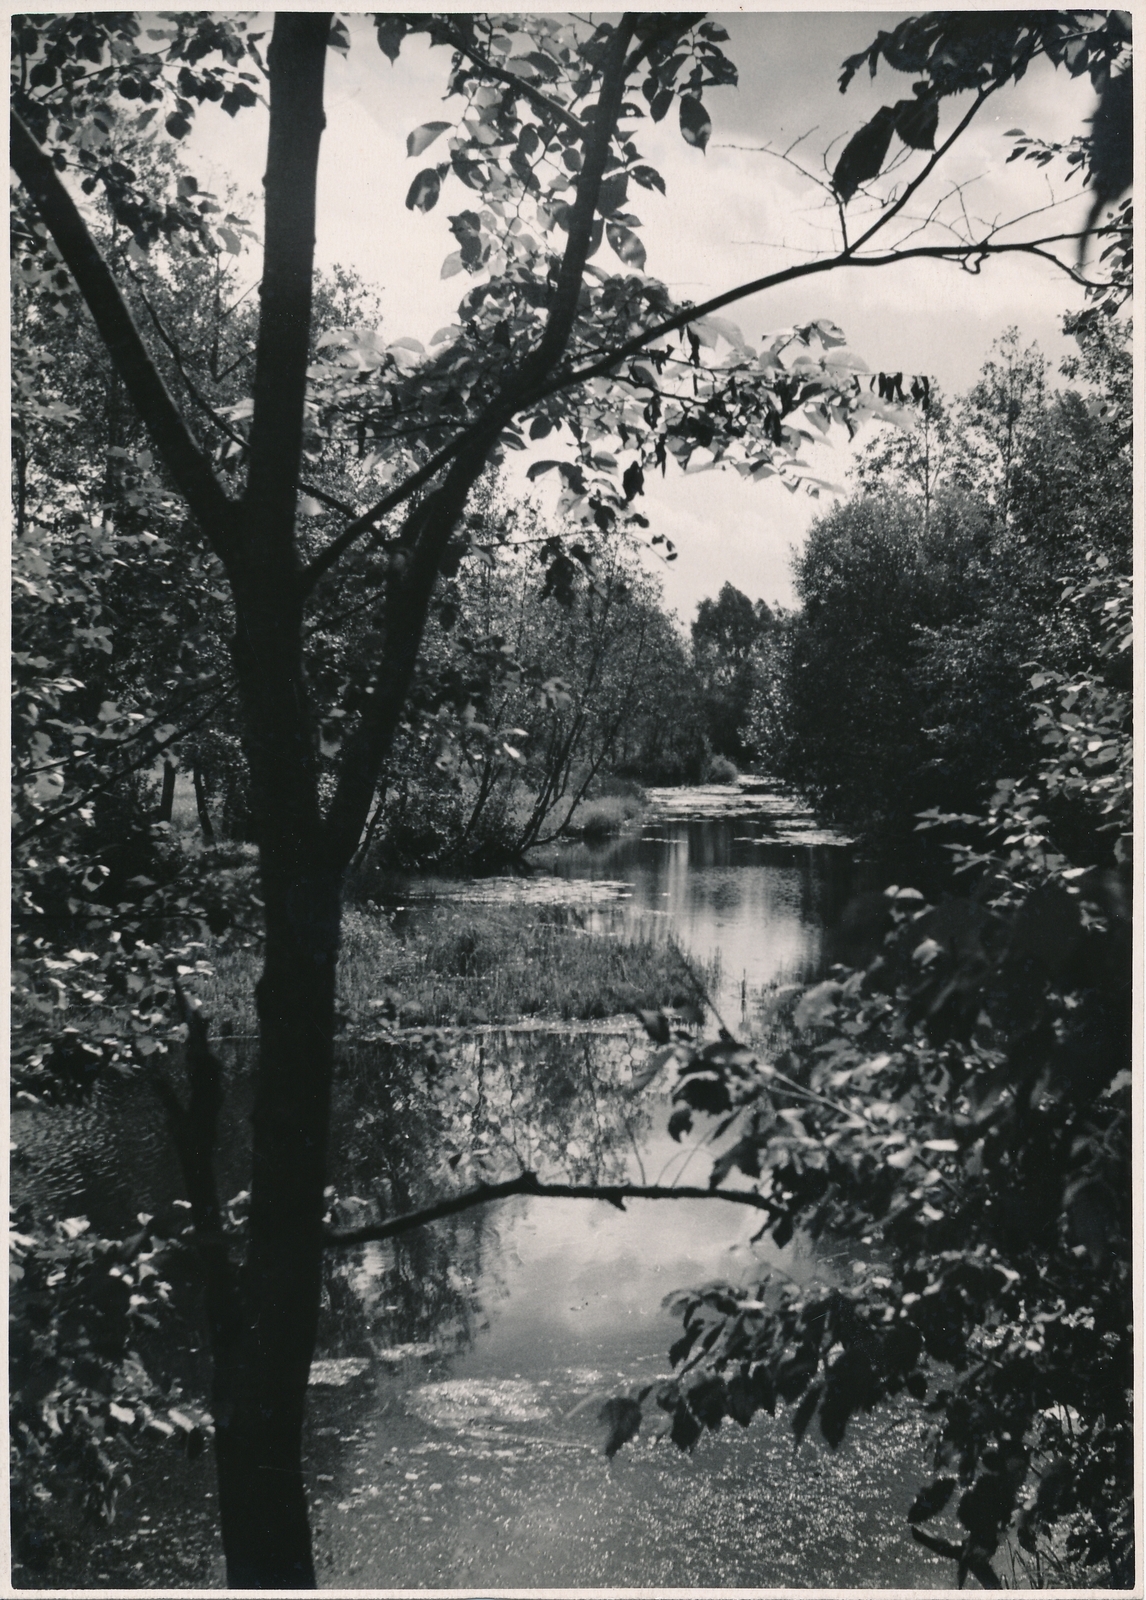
{"x":705,"y":1092}
{"x":685,"y":1428}
{"x":622,"y":1419}
{"x":864,"y":154}
{"x":612,"y":193}
{"x":655,"y":1023}
{"x":706,"y":1400}
{"x":626,"y":244}
{"x":916,"y":121}
{"x":424,"y":191}
{"x":391,"y":31}
{"x":695,"y":123}
{"x":680,"y":1122}
{"x":647,"y":177}
{"x":633,"y":482}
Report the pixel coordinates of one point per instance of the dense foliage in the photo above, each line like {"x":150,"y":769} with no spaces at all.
{"x":903,"y":678}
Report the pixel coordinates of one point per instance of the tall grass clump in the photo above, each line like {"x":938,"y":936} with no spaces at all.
{"x":459,"y":965}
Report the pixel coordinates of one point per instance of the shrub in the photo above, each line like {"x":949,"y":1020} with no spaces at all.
{"x":721,"y":770}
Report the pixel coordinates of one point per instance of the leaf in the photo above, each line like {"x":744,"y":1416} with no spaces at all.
{"x":612,"y":193}
{"x":424,"y":191}
{"x":647,"y":177}
{"x":391,"y":31}
{"x":929,"y":1502}
{"x":695,"y":123}
{"x":453,"y":263}
{"x":660,"y":104}
{"x":685,"y":1428}
{"x":864,"y":154}
{"x":622,"y":1419}
{"x":655,"y":1022}
{"x":680,"y":1122}
{"x":916,"y":121}
{"x":626,"y":245}
{"x":423,"y":137}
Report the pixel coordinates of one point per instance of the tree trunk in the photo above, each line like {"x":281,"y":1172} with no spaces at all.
{"x":260,"y":1390}
{"x":201,"y":803}
{"x":167,"y":795}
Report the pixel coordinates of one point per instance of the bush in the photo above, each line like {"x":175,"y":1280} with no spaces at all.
{"x":721,"y":770}
{"x":605,"y":817}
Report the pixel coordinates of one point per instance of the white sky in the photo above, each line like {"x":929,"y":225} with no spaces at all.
{"x":731,"y":215}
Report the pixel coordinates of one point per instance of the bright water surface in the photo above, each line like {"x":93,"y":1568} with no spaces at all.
{"x":453,"y":1439}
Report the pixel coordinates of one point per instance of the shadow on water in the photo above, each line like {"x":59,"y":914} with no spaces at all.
{"x":453,"y":1438}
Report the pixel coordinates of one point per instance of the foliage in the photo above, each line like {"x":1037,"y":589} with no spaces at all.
{"x":959,"y":1113}
{"x":527,"y":702}
{"x":729,"y":636}
{"x":903,"y":681}
{"x":88,"y":1316}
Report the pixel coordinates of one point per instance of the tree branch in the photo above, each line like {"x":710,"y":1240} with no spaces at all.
{"x":929,"y":167}
{"x":451,"y":36}
{"x":528,"y":1183}
{"x":178,"y":449}
{"x":428,"y":531}
{"x":563,"y":307}
{"x":558,"y":323}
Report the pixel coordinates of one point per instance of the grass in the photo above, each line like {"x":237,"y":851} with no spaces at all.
{"x":606,"y":816}
{"x":466,"y":965}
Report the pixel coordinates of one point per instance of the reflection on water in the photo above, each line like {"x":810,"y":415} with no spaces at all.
{"x":727,"y":888}
{"x":453,"y":1438}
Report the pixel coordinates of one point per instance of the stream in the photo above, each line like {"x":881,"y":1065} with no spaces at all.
{"x":453,"y":1440}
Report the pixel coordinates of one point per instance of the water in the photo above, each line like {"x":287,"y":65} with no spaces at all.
{"x":454,"y":1439}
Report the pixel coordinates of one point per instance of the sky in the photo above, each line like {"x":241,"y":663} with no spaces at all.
{"x":731,"y":214}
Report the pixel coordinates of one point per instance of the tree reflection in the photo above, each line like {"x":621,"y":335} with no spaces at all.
{"x":419,"y":1118}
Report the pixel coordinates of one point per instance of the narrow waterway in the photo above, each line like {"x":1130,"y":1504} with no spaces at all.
{"x":454,"y":1440}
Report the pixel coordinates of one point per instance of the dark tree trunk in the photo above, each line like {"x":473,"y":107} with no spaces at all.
{"x":201,"y":803}
{"x":167,"y":794}
{"x":260,"y":1390}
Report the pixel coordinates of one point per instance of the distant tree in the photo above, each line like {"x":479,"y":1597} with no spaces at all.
{"x":727,"y":638}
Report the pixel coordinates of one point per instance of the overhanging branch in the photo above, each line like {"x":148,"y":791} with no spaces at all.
{"x":177,"y":447}
{"x":527,"y":1183}
{"x":957,"y":254}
